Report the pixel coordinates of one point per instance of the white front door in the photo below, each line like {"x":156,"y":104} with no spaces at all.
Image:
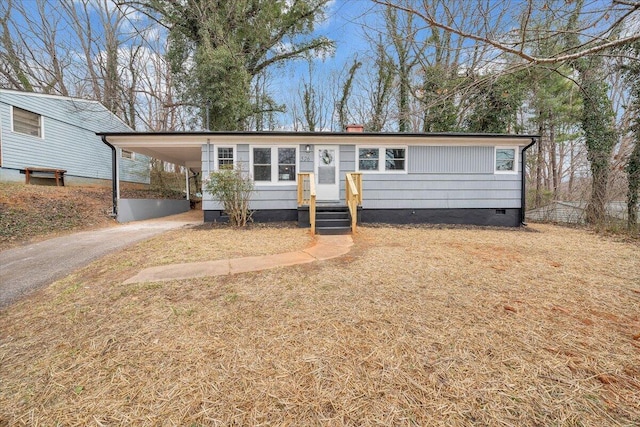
{"x":327,"y":173}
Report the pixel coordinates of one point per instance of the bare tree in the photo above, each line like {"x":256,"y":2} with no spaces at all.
{"x":94,"y":49}
{"x":597,"y":34}
{"x":342,"y":105}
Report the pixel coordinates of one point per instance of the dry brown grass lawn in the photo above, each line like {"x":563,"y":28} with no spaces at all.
{"x":415,"y":326}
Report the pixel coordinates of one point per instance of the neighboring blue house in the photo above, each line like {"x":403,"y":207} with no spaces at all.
{"x":399,"y":177}
{"x":57,"y":132}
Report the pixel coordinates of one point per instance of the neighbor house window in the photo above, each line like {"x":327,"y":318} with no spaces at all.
{"x":382,"y":159}
{"x":506,"y":160}
{"x":125,"y":154}
{"x":224,"y":157}
{"x":27,"y":122}
{"x":274,"y":164}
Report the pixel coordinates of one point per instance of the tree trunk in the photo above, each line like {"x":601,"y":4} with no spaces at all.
{"x":600,"y":137}
{"x":572,"y":167}
{"x":552,"y":151}
{"x":538,"y":200}
{"x":633,"y":174}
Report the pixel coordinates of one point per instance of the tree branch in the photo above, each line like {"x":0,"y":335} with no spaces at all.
{"x":426,"y":16}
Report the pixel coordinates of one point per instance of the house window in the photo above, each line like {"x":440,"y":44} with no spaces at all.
{"x":126,"y":154}
{"x":506,"y":161}
{"x":382,"y":159}
{"x":368,"y":159}
{"x":286,"y":164}
{"x":27,"y":122}
{"x":262,"y":164}
{"x":395,"y":159}
{"x":224,"y":158}
{"x":274,"y":164}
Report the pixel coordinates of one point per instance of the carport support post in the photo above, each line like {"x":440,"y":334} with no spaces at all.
{"x":186,"y":175}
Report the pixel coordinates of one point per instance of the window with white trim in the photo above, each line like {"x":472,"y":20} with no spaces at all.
{"x":26,"y":122}
{"x":126,"y":154}
{"x":382,"y":159}
{"x":506,"y":160}
{"x":275,"y":165}
{"x":225,"y":158}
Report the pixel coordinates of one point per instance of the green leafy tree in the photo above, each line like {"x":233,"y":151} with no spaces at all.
{"x":599,"y":132}
{"x":495,"y":104}
{"x":217,"y":48}
{"x":438,"y":92}
{"x":597,"y":119}
{"x":556,"y":104}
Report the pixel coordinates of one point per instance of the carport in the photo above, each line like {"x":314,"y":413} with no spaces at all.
{"x":180,"y":148}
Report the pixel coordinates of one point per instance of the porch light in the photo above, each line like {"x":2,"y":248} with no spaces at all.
{"x":307,"y":148}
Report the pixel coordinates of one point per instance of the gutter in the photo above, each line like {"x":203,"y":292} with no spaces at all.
{"x":523,"y":196}
{"x":114,"y":176}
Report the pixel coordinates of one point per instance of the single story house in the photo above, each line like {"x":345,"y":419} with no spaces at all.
{"x":575,"y":212}
{"x":40,"y":131}
{"x":399,"y":177}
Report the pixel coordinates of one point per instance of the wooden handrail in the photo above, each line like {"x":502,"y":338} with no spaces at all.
{"x":307,"y":196}
{"x":353,"y":193}
{"x":312,"y":203}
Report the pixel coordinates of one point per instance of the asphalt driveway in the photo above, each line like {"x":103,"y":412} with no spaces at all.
{"x":27,"y":268}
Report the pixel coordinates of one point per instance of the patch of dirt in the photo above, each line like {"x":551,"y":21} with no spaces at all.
{"x":30,"y":213}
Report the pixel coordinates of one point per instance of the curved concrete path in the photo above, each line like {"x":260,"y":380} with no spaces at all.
{"x":326,"y":247}
{"x":26,"y":268}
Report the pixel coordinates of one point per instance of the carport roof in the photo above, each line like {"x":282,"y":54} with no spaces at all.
{"x":185,"y":148}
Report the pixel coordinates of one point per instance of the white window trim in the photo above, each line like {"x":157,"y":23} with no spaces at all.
{"x":215,"y":155}
{"x":274,"y":166}
{"x":516,"y":160}
{"x":26,"y":134}
{"x":382,"y":160}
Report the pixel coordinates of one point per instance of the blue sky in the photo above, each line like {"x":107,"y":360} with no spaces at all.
{"x":346,"y":23}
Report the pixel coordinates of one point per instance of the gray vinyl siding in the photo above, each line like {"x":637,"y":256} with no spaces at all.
{"x":438,"y":177}
{"x":440,"y":191}
{"x":450,"y":160}
{"x":69,"y":141}
{"x":265,"y":196}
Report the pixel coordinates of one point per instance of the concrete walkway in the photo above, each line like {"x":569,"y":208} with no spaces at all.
{"x":325,"y":247}
{"x":26,"y":268}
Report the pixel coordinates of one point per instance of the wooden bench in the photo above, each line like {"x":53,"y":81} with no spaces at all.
{"x":58,"y":174}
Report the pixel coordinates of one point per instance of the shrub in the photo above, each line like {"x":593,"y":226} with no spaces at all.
{"x":233,"y":188}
